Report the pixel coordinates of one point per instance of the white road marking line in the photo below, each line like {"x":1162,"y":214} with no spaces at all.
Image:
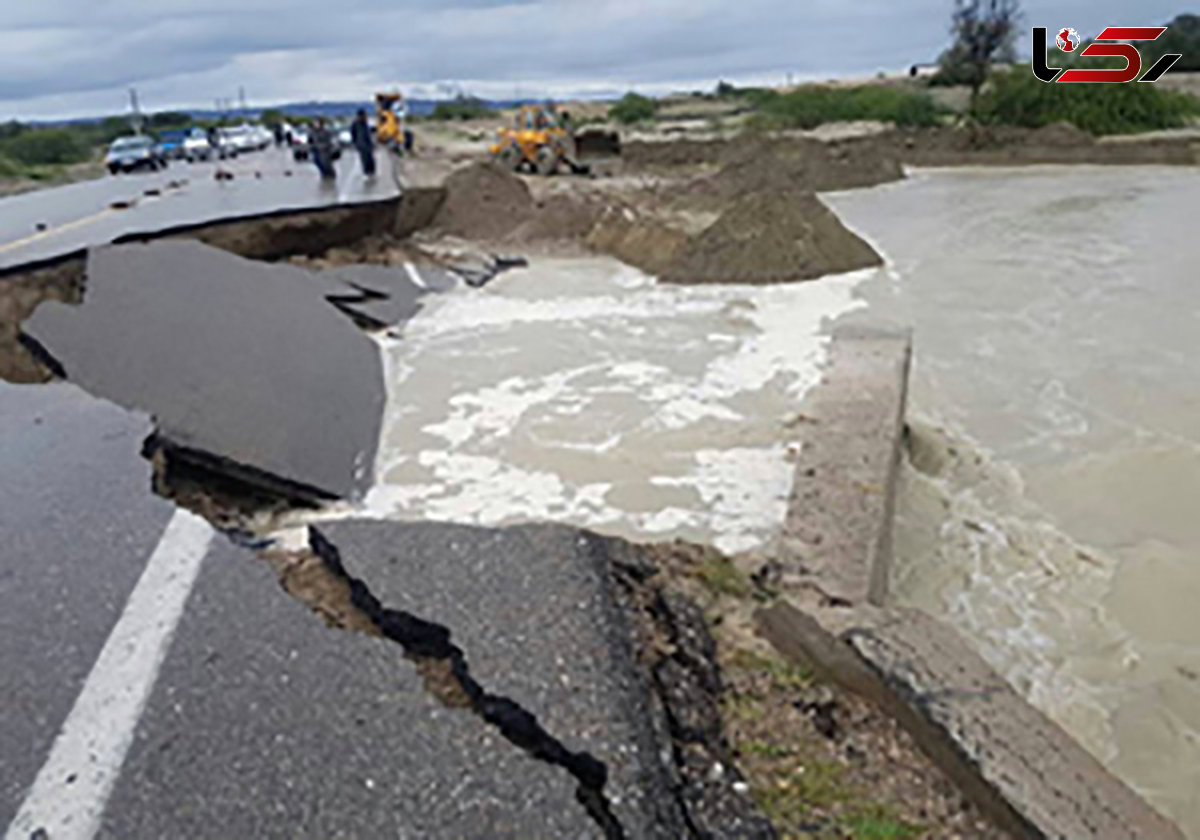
{"x":415,"y":276}
{"x":68,"y":797}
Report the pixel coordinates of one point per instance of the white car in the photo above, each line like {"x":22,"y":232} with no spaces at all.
{"x":266,"y":137}
{"x":236,"y":140}
{"x":196,"y":146}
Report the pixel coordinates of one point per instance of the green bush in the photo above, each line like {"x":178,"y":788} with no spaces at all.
{"x":633,"y":108}
{"x":8,"y":169}
{"x":461,"y":108}
{"x":41,"y":147}
{"x":810,"y":106}
{"x":1017,"y":98}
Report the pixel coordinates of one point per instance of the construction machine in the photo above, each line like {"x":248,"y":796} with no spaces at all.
{"x":540,"y":141}
{"x":390,"y":130}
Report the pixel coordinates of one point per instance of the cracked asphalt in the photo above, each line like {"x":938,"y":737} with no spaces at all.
{"x":159,"y":681}
{"x":48,"y":223}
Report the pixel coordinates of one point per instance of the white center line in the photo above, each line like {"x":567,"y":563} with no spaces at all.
{"x":415,"y":276}
{"x":68,"y":797}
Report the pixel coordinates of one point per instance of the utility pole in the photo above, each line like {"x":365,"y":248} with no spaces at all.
{"x":135,"y":120}
{"x":242,"y":98}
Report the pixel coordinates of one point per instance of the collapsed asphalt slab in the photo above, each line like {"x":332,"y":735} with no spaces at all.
{"x":78,"y":521}
{"x":265,"y":723}
{"x":235,"y":361}
{"x":384,"y":296}
{"x":534,"y":616}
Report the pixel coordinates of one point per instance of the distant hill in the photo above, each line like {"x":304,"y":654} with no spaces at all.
{"x":335,"y":110}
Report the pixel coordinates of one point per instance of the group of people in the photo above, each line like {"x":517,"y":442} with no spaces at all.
{"x":322,"y":144}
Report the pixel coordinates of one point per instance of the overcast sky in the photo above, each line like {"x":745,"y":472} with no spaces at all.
{"x":79,"y":57}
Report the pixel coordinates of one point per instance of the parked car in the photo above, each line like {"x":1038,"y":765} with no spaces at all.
{"x":196,"y":146}
{"x":127,"y":154}
{"x":298,"y":141}
{"x":302,"y":145}
{"x":171,"y":143}
{"x":344,"y":137}
{"x":266,"y":137}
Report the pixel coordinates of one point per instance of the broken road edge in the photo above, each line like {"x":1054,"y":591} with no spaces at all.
{"x":1019,"y":767}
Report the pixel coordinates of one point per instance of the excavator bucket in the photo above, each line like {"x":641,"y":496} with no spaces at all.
{"x":594,"y":144}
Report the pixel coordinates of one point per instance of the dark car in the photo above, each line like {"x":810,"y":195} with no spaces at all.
{"x":171,"y":143}
{"x":127,"y":154}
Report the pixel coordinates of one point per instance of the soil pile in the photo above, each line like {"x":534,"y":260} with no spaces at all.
{"x":800,"y":165}
{"x":638,"y":239}
{"x":484,"y":202}
{"x":774,"y":237}
{"x":665,"y":154}
{"x":560,"y":217}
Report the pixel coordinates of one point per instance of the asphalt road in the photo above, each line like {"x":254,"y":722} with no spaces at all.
{"x":160,"y":683}
{"x":47,"y":223}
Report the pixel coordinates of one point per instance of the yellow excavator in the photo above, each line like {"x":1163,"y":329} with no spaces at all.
{"x":541,"y":141}
{"x":390,"y":130}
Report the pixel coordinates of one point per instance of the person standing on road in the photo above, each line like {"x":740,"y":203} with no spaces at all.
{"x":360,"y":136}
{"x":322,"y":148}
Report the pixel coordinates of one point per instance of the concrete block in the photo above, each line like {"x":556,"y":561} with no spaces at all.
{"x":1016,"y":764}
{"x":838,"y":530}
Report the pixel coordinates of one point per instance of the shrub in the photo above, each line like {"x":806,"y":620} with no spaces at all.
{"x":8,"y":169}
{"x":1017,"y":98}
{"x":633,"y":108}
{"x":41,"y":147}
{"x":461,"y":108}
{"x":812,"y":105}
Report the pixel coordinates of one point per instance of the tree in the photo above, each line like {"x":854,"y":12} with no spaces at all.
{"x":984,"y":31}
{"x":170,"y":119}
{"x":725,"y":89}
{"x":633,"y":108}
{"x":272,"y":117}
{"x":1182,"y":37}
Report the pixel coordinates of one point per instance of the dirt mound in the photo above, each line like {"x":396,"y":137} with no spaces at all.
{"x":1059,"y":134}
{"x":808,"y":165}
{"x":774,"y":237}
{"x":484,"y":202}
{"x":559,"y":217}
{"x":657,"y":154}
{"x":638,"y":239}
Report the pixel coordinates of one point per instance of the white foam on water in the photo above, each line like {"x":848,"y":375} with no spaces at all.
{"x":583,"y":391}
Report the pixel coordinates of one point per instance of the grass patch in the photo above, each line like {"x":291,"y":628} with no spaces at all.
{"x":812,"y":105}
{"x":1017,"y":98}
{"x":819,"y":785}
{"x":721,"y":577}
{"x":461,"y":108}
{"x":878,"y":824}
{"x":44,"y":147}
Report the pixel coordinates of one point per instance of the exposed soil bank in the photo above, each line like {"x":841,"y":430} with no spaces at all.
{"x":943,"y":146}
{"x":20,"y":295}
{"x":731,"y":229}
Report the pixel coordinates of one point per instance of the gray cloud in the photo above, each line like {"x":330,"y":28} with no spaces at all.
{"x":68,"y":57}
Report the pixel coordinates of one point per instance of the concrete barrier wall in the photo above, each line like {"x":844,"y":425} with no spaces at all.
{"x":1017,"y":765}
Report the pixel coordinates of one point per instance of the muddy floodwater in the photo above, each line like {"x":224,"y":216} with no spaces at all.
{"x":580,"y":390}
{"x":1053,"y":508}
